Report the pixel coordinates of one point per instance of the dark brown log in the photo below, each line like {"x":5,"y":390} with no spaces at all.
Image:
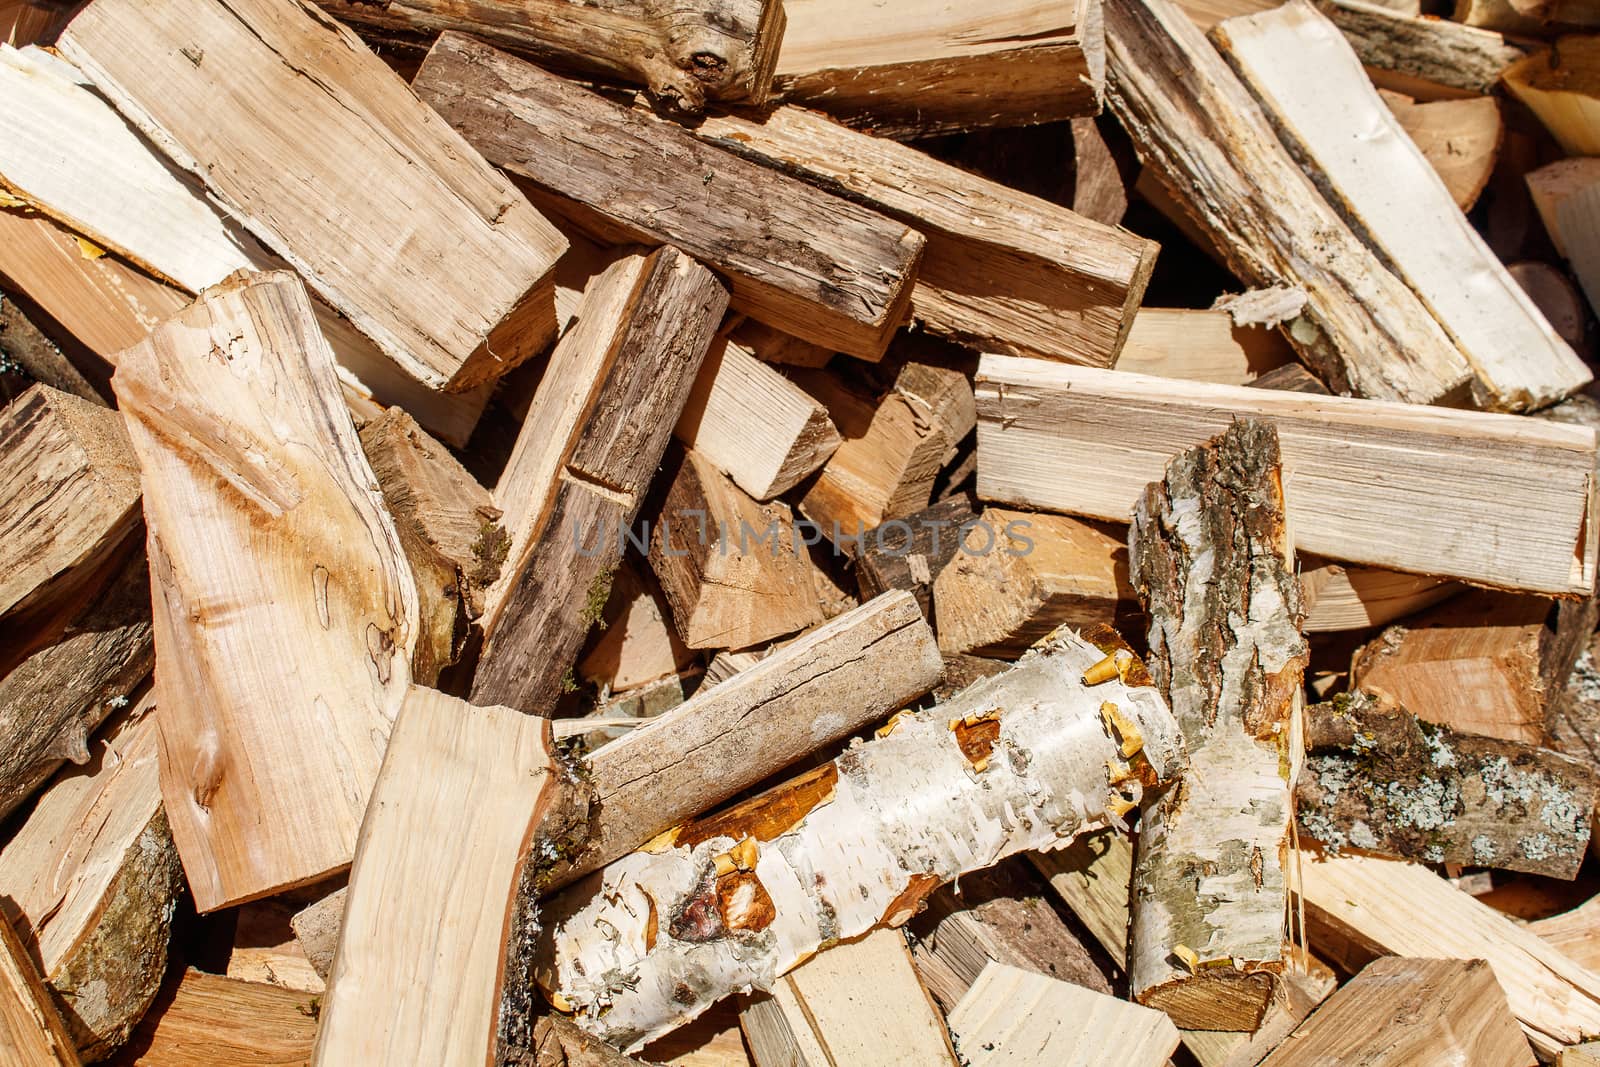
{"x":909,"y":553}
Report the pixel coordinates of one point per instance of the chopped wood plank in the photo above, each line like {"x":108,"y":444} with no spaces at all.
{"x":1362,"y":331}
{"x":430,"y":908}
{"x":1562,"y":87}
{"x":1460,"y":139}
{"x":409,"y":267}
{"x":1377,"y":779}
{"x":1014,"y":1018}
{"x":734,"y":570}
{"x":1312,"y":87}
{"x":316,"y":927}
{"x":275,"y":711}
{"x":1098,"y":191}
{"x":1003,"y":271}
{"x":857,"y":1002}
{"x":1340,"y":597}
{"x":1018,"y":575}
{"x":911,"y":553}
{"x":755,"y":425}
{"x":35,"y":356}
{"x":1521,"y":486}
{"x":1474,"y":665}
{"x":1093,"y":876}
{"x":639,"y":644}
{"x":1575,"y":933}
{"x":31,"y":1031}
{"x":90,"y":880}
{"x":202,"y":1020}
{"x":584,"y":459}
{"x":684,"y":53}
{"x":1399,"y":1012}
{"x":825,"y":856}
{"x":1567,"y":195}
{"x":1202,"y":346}
{"x":1426,"y":58}
{"x":1211,"y":558}
{"x":829,"y":683}
{"x":71,"y":486}
{"x":1556,"y":1001}
{"x":811,"y":264}
{"x":925,"y":68}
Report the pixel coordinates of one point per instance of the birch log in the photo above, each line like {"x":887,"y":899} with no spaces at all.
{"x":1363,"y":330}
{"x":1026,"y":759}
{"x":285,"y":611}
{"x":1312,"y":87}
{"x":1212,"y":561}
{"x":684,"y":53}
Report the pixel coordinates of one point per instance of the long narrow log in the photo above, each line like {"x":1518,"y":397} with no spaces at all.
{"x":684,"y":53}
{"x":280,"y":678}
{"x":1363,"y":330}
{"x":1212,"y":561}
{"x":1026,"y":759}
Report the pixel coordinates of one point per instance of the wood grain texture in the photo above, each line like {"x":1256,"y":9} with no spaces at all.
{"x":1399,"y":1012}
{"x":1460,"y":139}
{"x":1363,"y":331}
{"x":755,"y":425}
{"x":1002,"y":272}
{"x":1012,"y":1017}
{"x":1428,"y":58}
{"x":1556,"y":1000}
{"x":1575,"y":932}
{"x":406,"y":267}
{"x":71,"y":486}
{"x":420,"y":962}
{"x":90,"y":880}
{"x":585,"y":486}
{"x":280,"y":679}
{"x":1311,"y":86}
{"x":832,"y":681}
{"x":811,"y":264}
{"x":926,"y":68}
{"x":1340,"y":597}
{"x":1496,"y":499}
{"x":202,"y":1020}
{"x":31,"y":1031}
{"x":1202,"y":346}
{"x":1564,"y":91}
{"x":685,"y":53}
{"x":857,"y":1002}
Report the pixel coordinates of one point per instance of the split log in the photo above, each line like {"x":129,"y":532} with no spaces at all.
{"x":1538,"y":18}
{"x":316,"y":927}
{"x":928,"y":68}
{"x":583,"y":461}
{"x":1340,"y":597}
{"x":71,"y":486}
{"x":684,"y":54}
{"x":1003,"y":271}
{"x":856,"y":1002}
{"x":831,"y":682}
{"x":1098,"y":191}
{"x":1475,"y":665}
{"x":733,"y":570}
{"x":1561,"y":86}
{"x":1211,"y":559}
{"x":299,"y":175}
{"x":1567,"y":195}
{"x":557,"y":1042}
{"x":1019,"y":575}
{"x":1363,"y":331}
{"x":90,"y":880}
{"x":1400,"y":1012}
{"x":265,"y":948}
{"x":35,"y":357}
{"x":24,"y":22}
{"x":270,"y":738}
{"x":1560,"y":301}
{"x":202,"y":1020}
{"x":1426,"y":58}
{"x":893,"y":448}
{"x":431,"y":927}
{"x":1000,"y":916}
{"x":1013,"y":1016}
{"x":1207,"y":13}
{"x":57,"y":695}
{"x":639,"y":644}
{"x":1202,"y":346}
{"x":1311,"y":86}
{"x":1574,"y":933}
{"x":31,"y":1031}
{"x":826,"y":857}
{"x":1292,"y":378}
{"x":755,"y":425}
{"x":450,"y":530}
{"x":1379,"y":780}
{"x":774,"y":346}
{"x":1556,"y":1001}
{"x":764,"y":232}
{"x":134,"y":204}
{"x":1460,"y":139}
{"x":911,"y":553}
{"x":1521,"y":485}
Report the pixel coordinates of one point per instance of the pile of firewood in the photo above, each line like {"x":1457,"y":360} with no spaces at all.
{"x":799,"y":533}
